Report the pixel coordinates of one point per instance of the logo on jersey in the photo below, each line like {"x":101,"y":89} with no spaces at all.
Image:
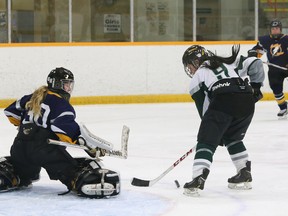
{"x":221,"y":85}
{"x":276,"y":50}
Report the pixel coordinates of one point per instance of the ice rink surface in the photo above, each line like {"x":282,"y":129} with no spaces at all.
{"x":160,"y":134}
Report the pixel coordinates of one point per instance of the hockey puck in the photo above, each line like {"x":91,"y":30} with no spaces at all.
{"x":177,"y":183}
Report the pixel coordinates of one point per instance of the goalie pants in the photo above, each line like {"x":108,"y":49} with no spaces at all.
{"x":30,"y":154}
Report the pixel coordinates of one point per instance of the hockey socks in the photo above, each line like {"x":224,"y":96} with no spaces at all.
{"x":238,"y":154}
{"x":203,"y":158}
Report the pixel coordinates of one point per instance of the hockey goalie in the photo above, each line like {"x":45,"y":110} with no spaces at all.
{"x":47,"y":114}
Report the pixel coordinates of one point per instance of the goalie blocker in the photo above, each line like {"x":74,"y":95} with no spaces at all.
{"x":91,"y":181}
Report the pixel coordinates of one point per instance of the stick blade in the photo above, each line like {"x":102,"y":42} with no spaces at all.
{"x":124,"y":141}
{"x":140,"y":182}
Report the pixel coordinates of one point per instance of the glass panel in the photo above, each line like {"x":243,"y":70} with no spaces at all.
{"x":3,"y":22}
{"x":161,"y":20}
{"x":101,"y":20}
{"x":110,"y":20}
{"x":22,"y":20}
{"x":225,"y":20}
{"x":188,"y":21}
{"x":81,"y":20}
{"x":40,"y":20}
{"x":154,"y":20}
{"x":61,"y":24}
{"x":208,"y":20}
{"x":270,"y":10}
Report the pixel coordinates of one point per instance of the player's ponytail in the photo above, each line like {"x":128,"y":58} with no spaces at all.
{"x":34,"y":104}
{"x":215,"y":61}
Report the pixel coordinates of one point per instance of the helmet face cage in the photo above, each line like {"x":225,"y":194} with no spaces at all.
{"x":67,"y":85}
{"x":195,"y":56}
{"x":188,"y":71}
{"x":61,"y":79}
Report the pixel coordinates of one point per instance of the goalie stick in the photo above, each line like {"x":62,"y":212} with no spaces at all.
{"x":147,"y":183}
{"x":123,"y":153}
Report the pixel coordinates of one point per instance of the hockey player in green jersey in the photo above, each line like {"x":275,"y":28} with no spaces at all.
{"x":225,"y":102}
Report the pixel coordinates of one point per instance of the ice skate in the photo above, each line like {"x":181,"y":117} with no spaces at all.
{"x":242,"y":180}
{"x":191,"y":188}
{"x":9,"y":181}
{"x":282,"y":114}
{"x":6,"y":186}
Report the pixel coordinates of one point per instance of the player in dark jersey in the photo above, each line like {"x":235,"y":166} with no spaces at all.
{"x":276,"y":47}
{"x":225,"y":103}
{"x":47,"y":114}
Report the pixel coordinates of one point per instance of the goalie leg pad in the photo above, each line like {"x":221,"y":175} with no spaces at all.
{"x":96,"y":182}
{"x":8,"y":179}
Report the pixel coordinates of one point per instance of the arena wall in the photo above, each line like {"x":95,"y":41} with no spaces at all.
{"x":106,"y":72}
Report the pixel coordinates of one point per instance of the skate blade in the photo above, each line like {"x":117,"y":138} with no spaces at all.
{"x":282,"y":117}
{"x":193,"y":192}
{"x":240,"y":186}
{"x":16,"y":188}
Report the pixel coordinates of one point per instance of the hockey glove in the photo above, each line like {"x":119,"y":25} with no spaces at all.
{"x":92,"y":152}
{"x":96,"y":153}
{"x":255,"y":53}
{"x":257,"y":94}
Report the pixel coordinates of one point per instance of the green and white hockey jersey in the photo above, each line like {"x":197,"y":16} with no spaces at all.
{"x":204,"y":78}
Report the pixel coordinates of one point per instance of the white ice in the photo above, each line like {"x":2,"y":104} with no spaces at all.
{"x":160,"y":135}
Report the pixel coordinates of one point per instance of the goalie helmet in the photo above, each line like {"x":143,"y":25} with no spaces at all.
{"x":61,"y":81}
{"x":195,"y":56}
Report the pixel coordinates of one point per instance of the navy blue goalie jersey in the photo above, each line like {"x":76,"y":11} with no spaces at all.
{"x":57,"y":115}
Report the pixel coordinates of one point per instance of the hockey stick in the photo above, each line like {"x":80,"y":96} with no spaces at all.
{"x":147,"y":183}
{"x":274,"y":65}
{"x":123,"y":153}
